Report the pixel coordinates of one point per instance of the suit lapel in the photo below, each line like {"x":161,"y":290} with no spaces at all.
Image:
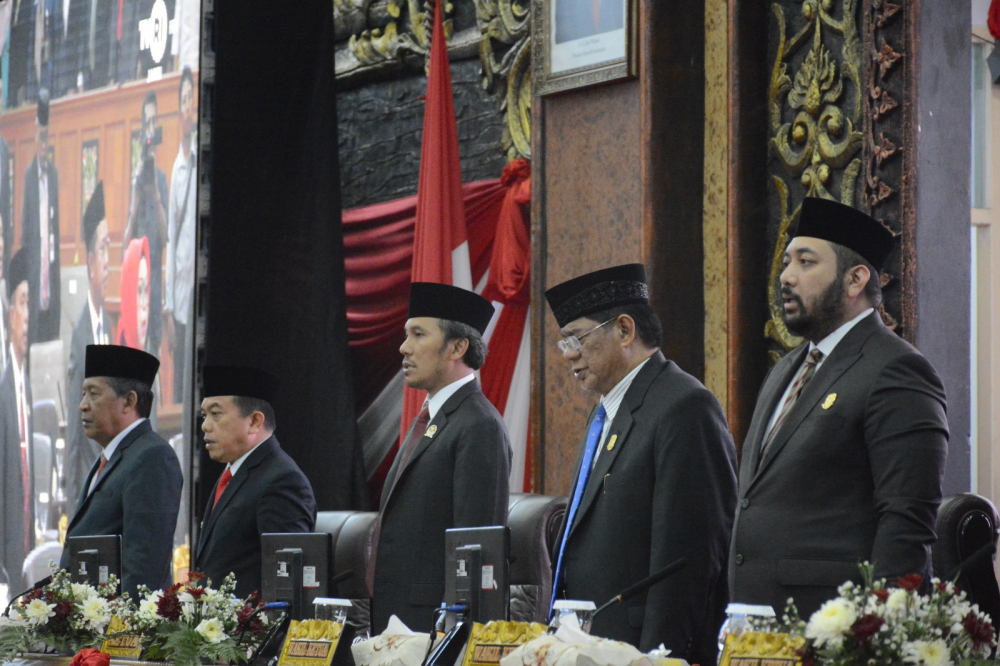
{"x":109,"y":469}
{"x":242,"y":474}
{"x":768,"y":402}
{"x":844,"y":355}
{"x":619,"y":430}
{"x":439,"y":423}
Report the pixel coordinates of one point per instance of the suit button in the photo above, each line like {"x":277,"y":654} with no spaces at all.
{"x":745,"y":503}
{"x":739,"y":558}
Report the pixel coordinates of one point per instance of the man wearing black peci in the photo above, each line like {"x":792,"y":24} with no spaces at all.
{"x":92,"y":327}
{"x":845,"y":455}
{"x":134,"y":488}
{"x":261,"y":490}
{"x":453,"y":467}
{"x":656,"y":477}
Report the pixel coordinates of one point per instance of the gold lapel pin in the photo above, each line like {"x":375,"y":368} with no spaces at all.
{"x":830,"y":399}
{"x":430,"y":432}
{"x":611,"y":444}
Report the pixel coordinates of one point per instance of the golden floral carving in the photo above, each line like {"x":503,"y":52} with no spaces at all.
{"x":505,"y":52}
{"x":813,"y":124}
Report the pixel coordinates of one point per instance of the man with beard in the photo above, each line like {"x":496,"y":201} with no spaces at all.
{"x":845,"y":455}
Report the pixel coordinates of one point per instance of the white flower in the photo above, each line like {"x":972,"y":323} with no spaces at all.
{"x":148,"y":606}
{"x":96,"y":613}
{"x":897,"y":602}
{"x":211,"y":631}
{"x":829,"y":624}
{"x":37,"y":612}
{"x":82,"y":592}
{"x":927,"y":653}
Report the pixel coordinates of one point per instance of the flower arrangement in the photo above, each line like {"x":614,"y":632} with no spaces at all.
{"x":62,"y":616}
{"x":192,"y":623}
{"x":892,"y":623}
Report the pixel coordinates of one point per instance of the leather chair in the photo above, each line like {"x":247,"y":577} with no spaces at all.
{"x":967,"y":529}
{"x":350,"y":532}
{"x":534,"y":522}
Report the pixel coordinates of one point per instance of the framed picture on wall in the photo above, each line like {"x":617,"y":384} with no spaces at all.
{"x":579,"y":43}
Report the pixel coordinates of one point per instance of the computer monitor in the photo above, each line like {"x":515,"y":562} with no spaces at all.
{"x":93,"y":559}
{"x":477,"y":571}
{"x":295,"y":568}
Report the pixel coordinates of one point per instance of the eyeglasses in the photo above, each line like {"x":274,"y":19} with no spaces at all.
{"x":572,"y":342}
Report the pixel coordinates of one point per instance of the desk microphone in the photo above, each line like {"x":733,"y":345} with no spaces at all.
{"x":37,"y":586}
{"x":644,"y":584}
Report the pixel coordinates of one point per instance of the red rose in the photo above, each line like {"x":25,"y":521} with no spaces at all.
{"x":910,"y":581}
{"x":91,"y":657}
{"x":867,"y":627}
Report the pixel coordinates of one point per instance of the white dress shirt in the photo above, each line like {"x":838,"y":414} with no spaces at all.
{"x":437,"y":402}
{"x":612,"y":401}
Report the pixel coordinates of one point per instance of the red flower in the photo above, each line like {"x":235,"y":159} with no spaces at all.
{"x":196,"y":592}
{"x":247,"y":621}
{"x":910,"y":582}
{"x":807,"y":654}
{"x":91,"y":657}
{"x":63,"y":609}
{"x":942,"y":587}
{"x":173,"y":588}
{"x":881,"y":595}
{"x":169,"y":606}
{"x":194,"y":577}
{"x":981,"y":631}
{"x":866,"y":627}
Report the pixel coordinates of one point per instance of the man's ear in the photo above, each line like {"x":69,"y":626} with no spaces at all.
{"x":625,"y":330}
{"x":458,"y":351}
{"x":256,"y":422}
{"x":131,"y":402}
{"x":857,"y":279}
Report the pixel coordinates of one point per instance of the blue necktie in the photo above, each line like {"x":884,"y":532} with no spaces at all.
{"x":593,"y":437}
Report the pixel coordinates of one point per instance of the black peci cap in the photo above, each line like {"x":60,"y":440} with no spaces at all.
{"x":443,"y":301}
{"x":600,"y":290}
{"x":121,"y":362}
{"x":17,"y":271}
{"x":240,"y":380}
{"x":839,"y":223}
{"x":94,"y":213}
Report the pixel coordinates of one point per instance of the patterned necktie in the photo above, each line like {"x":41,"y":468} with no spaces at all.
{"x":593,"y":437}
{"x":802,"y":378}
{"x":413,"y":436}
{"x":224,"y":480}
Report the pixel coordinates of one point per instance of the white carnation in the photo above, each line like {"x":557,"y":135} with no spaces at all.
{"x":211,"y":630}
{"x":828,"y":625}
{"x":37,"y":612}
{"x":927,"y":653}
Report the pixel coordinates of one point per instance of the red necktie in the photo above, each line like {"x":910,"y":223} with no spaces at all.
{"x":100,"y":469}
{"x":224,"y":480}
{"x":414,"y":435}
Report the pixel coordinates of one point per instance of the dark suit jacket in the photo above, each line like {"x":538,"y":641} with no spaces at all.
{"x":269,"y":493}
{"x":12,"y":488}
{"x":137,"y":497}
{"x":81,"y":453}
{"x":665,"y":490}
{"x":43,"y":325}
{"x":854,"y":474}
{"x":459,"y":477}
{"x":575,"y":18}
